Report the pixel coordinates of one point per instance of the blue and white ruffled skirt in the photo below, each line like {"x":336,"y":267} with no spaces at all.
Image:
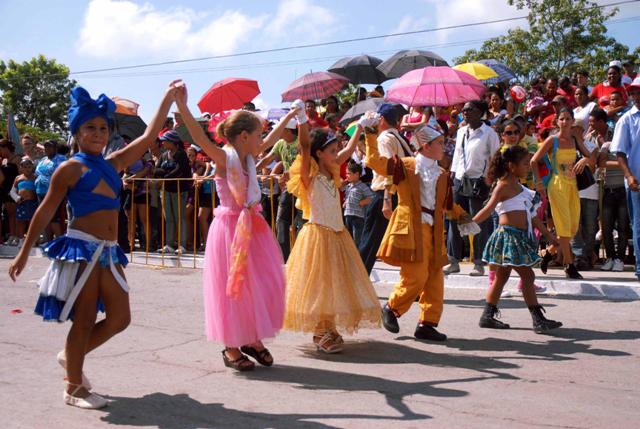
{"x":61,"y":285}
{"x":510,"y":246}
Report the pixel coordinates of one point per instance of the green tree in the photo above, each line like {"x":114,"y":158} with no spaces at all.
{"x":37,"y":92}
{"x":563,"y":36}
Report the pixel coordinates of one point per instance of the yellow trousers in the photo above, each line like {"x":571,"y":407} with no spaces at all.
{"x":424,"y":279}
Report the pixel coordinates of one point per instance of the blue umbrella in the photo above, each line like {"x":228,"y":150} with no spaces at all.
{"x":504,"y":72}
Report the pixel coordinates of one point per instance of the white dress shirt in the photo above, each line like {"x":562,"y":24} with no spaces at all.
{"x":479,"y":146}
{"x":429,"y":171}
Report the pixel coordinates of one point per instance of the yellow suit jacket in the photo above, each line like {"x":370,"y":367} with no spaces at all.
{"x":402,"y":240}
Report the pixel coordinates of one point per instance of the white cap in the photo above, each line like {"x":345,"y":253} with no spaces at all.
{"x":292,"y":124}
{"x":616,"y":63}
{"x":635,"y":83}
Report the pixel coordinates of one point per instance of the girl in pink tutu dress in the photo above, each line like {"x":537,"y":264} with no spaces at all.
{"x":243,"y":278}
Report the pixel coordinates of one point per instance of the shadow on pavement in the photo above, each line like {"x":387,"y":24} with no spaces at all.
{"x":383,"y":353}
{"x":564,"y":342}
{"x":393,"y":390}
{"x":183,"y":412}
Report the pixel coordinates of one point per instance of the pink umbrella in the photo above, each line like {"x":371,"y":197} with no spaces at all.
{"x":435,"y":86}
{"x":313,"y":86}
{"x":228,"y":94}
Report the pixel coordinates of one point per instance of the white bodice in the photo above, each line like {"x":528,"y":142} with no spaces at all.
{"x":325,"y":203}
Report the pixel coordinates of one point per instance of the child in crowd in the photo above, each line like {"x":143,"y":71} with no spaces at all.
{"x":243,"y":278}
{"x":357,"y":196}
{"x":511,"y":246}
{"x":328,"y":285}
{"x":28,"y":200}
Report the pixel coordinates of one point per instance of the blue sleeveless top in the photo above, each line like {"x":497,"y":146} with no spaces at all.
{"x":81,"y":197}
{"x":27,"y":184}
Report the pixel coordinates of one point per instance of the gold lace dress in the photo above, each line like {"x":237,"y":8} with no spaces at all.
{"x":327,"y":283}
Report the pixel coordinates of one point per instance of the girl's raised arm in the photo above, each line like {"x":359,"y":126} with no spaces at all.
{"x":129,"y":154}
{"x":275,"y":134}
{"x":195,"y":130}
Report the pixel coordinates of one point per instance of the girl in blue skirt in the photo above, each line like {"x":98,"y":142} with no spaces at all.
{"x":86,"y":273}
{"x":512,"y":244}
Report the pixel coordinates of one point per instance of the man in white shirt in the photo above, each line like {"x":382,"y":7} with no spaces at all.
{"x":390,"y":144}
{"x":476,"y":143}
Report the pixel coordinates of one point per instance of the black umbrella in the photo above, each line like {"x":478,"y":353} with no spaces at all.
{"x":364,"y":106}
{"x":360,"y":69}
{"x":129,"y":125}
{"x":370,"y":104}
{"x":405,"y":61}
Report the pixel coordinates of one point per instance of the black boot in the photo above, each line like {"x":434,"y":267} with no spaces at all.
{"x":540,"y":323}
{"x":572,"y":272}
{"x":390,"y":320}
{"x":544,"y":262}
{"x":489,"y":320}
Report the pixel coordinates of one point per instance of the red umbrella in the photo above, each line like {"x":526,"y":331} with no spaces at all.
{"x":228,"y":94}
{"x":313,"y":86}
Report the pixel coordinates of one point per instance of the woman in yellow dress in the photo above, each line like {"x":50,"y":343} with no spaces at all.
{"x":327,"y":284}
{"x":562,"y":189}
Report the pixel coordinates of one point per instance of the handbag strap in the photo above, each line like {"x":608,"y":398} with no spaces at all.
{"x":553,"y":155}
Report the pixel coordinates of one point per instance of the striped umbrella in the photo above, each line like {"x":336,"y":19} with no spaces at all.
{"x":503,"y":71}
{"x":314,"y":86}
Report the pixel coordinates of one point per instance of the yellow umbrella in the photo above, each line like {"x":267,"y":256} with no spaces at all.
{"x":477,"y":70}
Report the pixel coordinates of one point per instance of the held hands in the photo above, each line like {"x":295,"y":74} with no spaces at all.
{"x":301,"y":115}
{"x":465,"y":218}
{"x":369,"y":120}
{"x":179,"y":91}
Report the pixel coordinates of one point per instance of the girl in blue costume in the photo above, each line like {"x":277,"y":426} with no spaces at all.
{"x":86,"y":270}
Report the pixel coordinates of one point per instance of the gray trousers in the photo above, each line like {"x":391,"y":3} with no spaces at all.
{"x":174,"y":201}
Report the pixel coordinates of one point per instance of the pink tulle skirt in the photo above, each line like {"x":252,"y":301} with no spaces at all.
{"x":259,"y":311}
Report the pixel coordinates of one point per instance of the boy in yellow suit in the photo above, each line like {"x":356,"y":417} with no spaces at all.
{"x":414,"y":239}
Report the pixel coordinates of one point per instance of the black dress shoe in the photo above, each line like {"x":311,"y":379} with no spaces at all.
{"x":389,"y":320}
{"x":426,"y":332}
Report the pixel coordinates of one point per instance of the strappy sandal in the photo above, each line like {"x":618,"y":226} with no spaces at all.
{"x":327,"y":343}
{"x":91,"y":402}
{"x":260,"y":356}
{"x":241,"y":364}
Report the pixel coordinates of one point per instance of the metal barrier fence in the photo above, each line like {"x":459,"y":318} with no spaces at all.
{"x":155,"y":189}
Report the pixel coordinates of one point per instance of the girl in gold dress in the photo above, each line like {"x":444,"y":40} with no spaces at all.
{"x":327,"y":285}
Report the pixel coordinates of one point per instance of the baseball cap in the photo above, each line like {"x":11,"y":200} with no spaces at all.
{"x":292,"y":124}
{"x":171,"y":136}
{"x":635,"y":83}
{"x":389,"y":112}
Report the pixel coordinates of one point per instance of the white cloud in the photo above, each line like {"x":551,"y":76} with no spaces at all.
{"x":302,"y":18}
{"x":124,"y":29}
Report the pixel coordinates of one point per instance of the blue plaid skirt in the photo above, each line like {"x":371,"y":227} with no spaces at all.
{"x":510,"y":246}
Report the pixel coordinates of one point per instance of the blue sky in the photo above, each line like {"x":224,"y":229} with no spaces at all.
{"x":95,"y":34}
